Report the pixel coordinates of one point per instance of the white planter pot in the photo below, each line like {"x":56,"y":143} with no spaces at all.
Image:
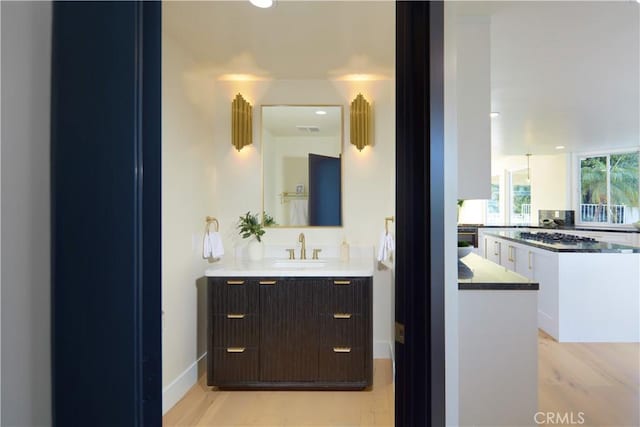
{"x":255,"y":250}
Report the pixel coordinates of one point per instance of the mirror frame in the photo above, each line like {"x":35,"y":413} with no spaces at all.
{"x":342,"y":151}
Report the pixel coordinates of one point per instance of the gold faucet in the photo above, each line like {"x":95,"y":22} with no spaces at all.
{"x":303,"y":250}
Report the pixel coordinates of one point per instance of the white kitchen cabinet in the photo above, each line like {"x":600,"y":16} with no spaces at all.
{"x":524,"y":258}
{"x":473,"y":98}
{"x":482,"y":243}
{"x":583,"y":296}
{"x":544,"y":270}
{"x":507,"y":255}
{"x":493,"y":249}
{"x":538,"y":265}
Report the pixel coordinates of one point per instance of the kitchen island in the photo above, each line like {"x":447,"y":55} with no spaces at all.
{"x":589,"y":290}
{"x":498,"y":346}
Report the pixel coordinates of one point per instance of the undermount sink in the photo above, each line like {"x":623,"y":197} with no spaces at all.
{"x":299,"y":263}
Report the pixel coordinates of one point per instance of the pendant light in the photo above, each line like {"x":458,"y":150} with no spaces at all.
{"x":528,"y":169}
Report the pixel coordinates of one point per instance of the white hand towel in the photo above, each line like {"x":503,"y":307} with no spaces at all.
{"x":298,"y":212}
{"x":386,"y":246}
{"x":391,"y":244}
{"x":382,"y":247}
{"x":206,"y":246}
{"x":215,"y":243}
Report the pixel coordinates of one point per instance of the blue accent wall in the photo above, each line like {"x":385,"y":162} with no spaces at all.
{"x":105,"y":158}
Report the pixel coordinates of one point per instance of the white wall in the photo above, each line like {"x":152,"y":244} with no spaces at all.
{"x":550,"y":186}
{"x":25,"y":307}
{"x":550,"y":180}
{"x":452,"y":375}
{"x":473,"y":80}
{"x":550,"y":183}
{"x":188,"y":173}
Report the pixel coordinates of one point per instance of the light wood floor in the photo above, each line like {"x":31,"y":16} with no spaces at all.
{"x":203,"y":406}
{"x":601,"y":380}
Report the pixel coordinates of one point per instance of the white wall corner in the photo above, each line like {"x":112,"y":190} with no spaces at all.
{"x":176,"y":390}
{"x":382,"y":350}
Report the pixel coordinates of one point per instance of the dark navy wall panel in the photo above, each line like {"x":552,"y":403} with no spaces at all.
{"x":102,"y":295}
{"x":152,"y":218}
{"x":419,"y":277}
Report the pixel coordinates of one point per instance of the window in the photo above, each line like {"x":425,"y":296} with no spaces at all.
{"x":520,"y":198}
{"x":493,"y":205}
{"x":609,"y":188}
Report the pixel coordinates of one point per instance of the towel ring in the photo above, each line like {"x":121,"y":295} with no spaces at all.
{"x":386,"y":223}
{"x":209,"y":220}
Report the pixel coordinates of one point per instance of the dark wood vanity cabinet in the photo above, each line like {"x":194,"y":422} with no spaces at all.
{"x":306,"y":333}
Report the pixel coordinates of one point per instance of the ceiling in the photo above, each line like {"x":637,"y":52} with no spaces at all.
{"x":562,"y":73}
{"x":302,"y":121}
{"x":565,"y":73}
{"x":293,"y":40}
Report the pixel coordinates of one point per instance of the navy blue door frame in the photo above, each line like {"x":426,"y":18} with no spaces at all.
{"x":419,"y":296}
{"x":105,"y":187}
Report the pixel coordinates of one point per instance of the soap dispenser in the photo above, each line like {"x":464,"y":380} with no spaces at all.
{"x":344,"y":251}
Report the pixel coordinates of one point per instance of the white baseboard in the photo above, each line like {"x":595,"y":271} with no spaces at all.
{"x":172,"y":393}
{"x":393,"y":364}
{"x":382,"y":350}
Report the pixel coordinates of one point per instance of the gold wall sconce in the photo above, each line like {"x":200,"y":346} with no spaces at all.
{"x":241,"y":122}
{"x":360,"y":122}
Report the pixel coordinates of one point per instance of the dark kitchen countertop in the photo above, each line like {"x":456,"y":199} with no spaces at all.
{"x":583,"y":247}
{"x":489,"y":276}
{"x":566,"y":228}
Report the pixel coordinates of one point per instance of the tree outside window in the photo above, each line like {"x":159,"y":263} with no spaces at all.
{"x":520,"y":197}
{"x":610,"y":188}
{"x":493,"y":204}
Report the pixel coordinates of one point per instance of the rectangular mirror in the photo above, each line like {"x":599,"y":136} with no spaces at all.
{"x":302,"y":165}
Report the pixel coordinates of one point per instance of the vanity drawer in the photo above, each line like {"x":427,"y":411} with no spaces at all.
{"x":234,"y":364}
{"x":342,"y":329}
{"x":342,"y":295}
{"x":233,"y":295}
{"x":235,"y":329}
{"x":341,"y":363}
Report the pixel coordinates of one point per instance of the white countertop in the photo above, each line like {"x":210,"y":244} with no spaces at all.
{"x":491,"y":276}
{"x":355,"y":267}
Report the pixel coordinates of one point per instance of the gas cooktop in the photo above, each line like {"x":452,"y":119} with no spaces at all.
{"x":566,"y":239}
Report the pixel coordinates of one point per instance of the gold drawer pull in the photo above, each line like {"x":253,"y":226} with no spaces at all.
{"x":268,"y":282}
{"x":235,"y":316}
{"x":342,"y":349}
{"x":342,"y":315}
{"x":342,"y":282}
{"x":235,"y":282}
{"x":235,"y":349}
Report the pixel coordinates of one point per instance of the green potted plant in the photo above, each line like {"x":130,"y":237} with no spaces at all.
{"x":268,"y":220}
{"x":464,"y":249}
{"x":250,"y":227}
{"x":460,"y":203}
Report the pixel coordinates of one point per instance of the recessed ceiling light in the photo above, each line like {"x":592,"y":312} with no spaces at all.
{"x":262,"y":3}
{"x":321,"y":112}
{"x":494,"y":114}
{"x":559,"y":147}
